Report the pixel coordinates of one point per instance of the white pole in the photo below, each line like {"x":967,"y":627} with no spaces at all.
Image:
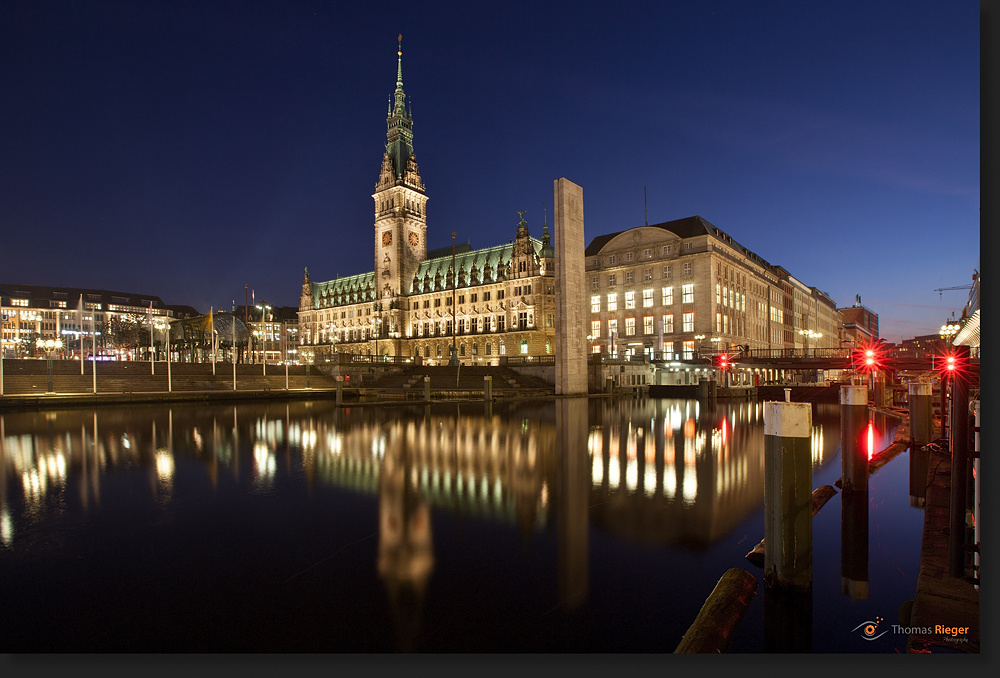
{"x":169,"y":384}
{"x":80,"y":333}
{"x":3,"y":332}
{"x":284,"y":354}
{"x":211,"y":319}
{"x":152,"y":364}
{"x":234,"y":355}
{"x":93,"y":362}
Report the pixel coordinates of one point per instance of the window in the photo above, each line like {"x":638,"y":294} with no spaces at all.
{"x":687,"y":294}
{"x":629,"y":277}
{"x":549,"y":320}
{"x":475,"y":324}
{"x":473,"y":297}
{"x":612,"y":280}
{"x":688,"y":268}
{"x":668,"y":323}
{"x":668,"y":349}
{"x":647,"y":253}
{"x":524,"y":346}
{"x":489,"y":348}
{"x":595,"y":282}
{"x":500,"y":294}
{"x":611,"y":260}
{"x":437,"y":302}
{"x":688,"y":350}
{"x":486,"y":296}
{"x":647,"y":274}
{"x":668,"y":296}
{"x":689,"y":322}
{"x":628,"y":256}
{"x":647,"y":298}
{"x":595,"y":303}
{"x":629,"y":327}
{"x":613,"y":301}
{"x":501,"y":321}
{"x":427,"y":303}
{"x":666,"y":271}
{"x":630,"y":300}
{"x":522,"y":320}
{"x":647,"y":324}
{"x":612,"y":327}
{"x":461,"y":350}
{"x":718,"y":322}
{"x":687,"y":245}
{"x":527,"y":290}
{"x":718,"y":294}
{"x":595,"y":329}
{"x":447,"y":301}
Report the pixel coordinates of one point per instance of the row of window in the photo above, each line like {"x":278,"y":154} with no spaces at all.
{"x":666,"y":298}
{"x":473,"y":298}
{"x":648,"y":325}
{"x":647,"y":253}
{"x":647,"y":274}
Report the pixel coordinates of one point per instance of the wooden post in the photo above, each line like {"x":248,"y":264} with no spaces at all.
{"x":487,"y":388}
{"x":853,"y":455}
{"x":921,"y":426}
{"x":712,"y":630}
{"x":959,"y":429}
{"x":788,"y":495}
{"x":427,"y":388}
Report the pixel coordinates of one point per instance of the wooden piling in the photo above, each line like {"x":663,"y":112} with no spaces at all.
{"x":713,"y":629}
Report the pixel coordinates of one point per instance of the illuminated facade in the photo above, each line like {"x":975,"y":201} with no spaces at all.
{"x":36,"y":312}
{"x":495,"y":302}
{"x":685,"y":287}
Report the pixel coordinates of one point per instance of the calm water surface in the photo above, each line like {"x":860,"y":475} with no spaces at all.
{"x":568,"y":526}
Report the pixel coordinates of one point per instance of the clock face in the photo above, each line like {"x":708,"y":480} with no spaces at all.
{"x":414,"y":239}
{"x":387,"y":238}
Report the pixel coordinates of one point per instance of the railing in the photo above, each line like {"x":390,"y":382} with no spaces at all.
{"x":770,"y":353}
{"x":531,"y":360}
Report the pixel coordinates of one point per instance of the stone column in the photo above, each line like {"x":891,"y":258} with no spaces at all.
{"x":571,"y":322}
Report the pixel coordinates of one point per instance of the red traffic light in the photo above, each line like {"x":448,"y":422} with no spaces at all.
{"x":722,"y":362}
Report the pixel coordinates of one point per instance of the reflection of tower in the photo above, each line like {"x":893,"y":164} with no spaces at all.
{"x":405,"y":551}
{"x":574,"y":496}
{"x":525,"y":486}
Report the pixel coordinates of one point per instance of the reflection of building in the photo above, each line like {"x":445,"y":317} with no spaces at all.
{"x":32,"y":312}
{"x":656,"y":288}
{"x":498,"y":301}
{"x":405,"y":550}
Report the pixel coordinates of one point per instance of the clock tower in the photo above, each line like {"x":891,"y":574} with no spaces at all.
{"x":400,"y":201}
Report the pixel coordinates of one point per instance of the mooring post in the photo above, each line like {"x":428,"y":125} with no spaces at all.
{"x":853,"y":455}
{"x":427,"y":388}
{"x":959,"y":429}
{"x":340,"y":389}
{"x":921,"y":428}
{"x":487,"y":388}
{"x":788,"y":495}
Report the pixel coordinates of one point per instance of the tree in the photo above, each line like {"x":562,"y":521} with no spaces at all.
{"x":126,"y":331}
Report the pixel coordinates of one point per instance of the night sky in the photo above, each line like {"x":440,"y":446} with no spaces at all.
{"x":185,"y":150}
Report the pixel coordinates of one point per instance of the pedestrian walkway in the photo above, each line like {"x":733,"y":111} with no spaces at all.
{"x":946,"y":606}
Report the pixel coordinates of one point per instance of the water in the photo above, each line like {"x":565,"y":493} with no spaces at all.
{"x":542,"y":527}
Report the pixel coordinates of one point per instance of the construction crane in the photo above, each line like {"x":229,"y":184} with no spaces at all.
{"x":942,"y":290}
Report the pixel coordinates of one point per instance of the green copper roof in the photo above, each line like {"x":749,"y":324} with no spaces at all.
{"x":486,"y":263}
{"x":399,"y":123}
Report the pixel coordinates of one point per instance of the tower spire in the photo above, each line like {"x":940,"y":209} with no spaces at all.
{"x":399,"y":95}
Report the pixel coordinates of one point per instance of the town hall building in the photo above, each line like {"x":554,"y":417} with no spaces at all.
{"x":481,"y":304}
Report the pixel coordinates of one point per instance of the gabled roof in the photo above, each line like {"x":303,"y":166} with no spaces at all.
{"x":354,"y":289}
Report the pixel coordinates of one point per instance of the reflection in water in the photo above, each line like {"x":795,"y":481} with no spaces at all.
{"x":660,"y":471}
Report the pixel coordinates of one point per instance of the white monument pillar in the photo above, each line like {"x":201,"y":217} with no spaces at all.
{"x":571,"y":329}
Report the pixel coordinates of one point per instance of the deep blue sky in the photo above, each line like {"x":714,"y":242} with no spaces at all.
{"x":186,"y":149}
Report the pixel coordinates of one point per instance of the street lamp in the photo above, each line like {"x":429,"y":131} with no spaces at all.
{"x":48,"y":345}
{"x":809,"y":334}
